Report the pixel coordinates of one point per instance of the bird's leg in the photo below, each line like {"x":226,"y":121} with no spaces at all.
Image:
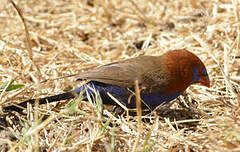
{"x":117,"y":110}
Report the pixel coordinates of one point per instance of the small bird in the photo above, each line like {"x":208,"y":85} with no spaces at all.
{"x":161,"y":79}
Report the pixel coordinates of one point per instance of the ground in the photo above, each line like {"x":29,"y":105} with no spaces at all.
{"x":69,"y":37}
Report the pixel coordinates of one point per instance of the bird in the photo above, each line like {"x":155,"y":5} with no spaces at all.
{"x":161,"y":79}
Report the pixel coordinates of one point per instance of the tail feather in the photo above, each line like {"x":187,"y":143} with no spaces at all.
{"x":63,"y":96}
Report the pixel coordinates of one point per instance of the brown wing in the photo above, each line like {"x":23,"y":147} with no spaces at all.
{"x":155,"y":81}
{"x":124,"y":73}
{"x":114,"y":74}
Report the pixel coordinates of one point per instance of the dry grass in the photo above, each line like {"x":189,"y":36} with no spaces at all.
{"x":71,"y":36}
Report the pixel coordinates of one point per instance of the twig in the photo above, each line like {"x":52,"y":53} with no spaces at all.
{"x":28,"y":43}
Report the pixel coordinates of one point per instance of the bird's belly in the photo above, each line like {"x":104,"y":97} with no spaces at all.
{"x":154,"y":100}
{"x":103,"y":89}
{"x":122,"y":94}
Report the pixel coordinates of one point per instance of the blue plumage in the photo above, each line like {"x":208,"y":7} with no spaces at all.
{"x":154,"y":100}
{"x":118,"y":92}
{"x":196,"y":76}
{"x":150,"y":101}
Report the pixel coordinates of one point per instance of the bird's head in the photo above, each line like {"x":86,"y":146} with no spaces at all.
{"x":191,"y":68}
{"x":195,"y":70}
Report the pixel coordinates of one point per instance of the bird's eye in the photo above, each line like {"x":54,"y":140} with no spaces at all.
{"x":201,"y":74}
{"x":198,"y":73}
{"x":203,"y":71}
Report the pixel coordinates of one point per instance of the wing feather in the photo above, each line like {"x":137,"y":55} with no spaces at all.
{"x":146,"y":69}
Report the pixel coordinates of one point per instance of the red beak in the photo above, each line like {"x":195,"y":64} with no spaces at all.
{"x":205,"y":81}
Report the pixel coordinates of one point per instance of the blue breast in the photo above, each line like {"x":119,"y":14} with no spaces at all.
{"x":154,"y":100}
{"x":122,"y":94}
